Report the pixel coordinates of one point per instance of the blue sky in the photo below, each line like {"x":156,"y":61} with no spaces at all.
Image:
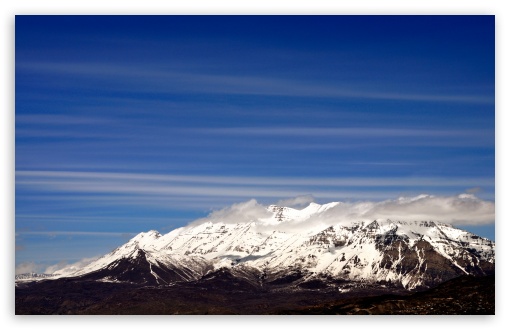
{"x":126,"y":124}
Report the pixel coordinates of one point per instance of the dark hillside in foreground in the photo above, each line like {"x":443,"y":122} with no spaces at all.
{"x":463,"y":295}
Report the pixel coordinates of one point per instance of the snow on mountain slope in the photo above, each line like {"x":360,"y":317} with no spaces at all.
{"x":409,"y":253}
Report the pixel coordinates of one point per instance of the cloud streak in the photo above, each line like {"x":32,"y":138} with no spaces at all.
{"x":355,"y":137}
{"x":46,"y":176}
{"x":347,"y":131}
{"x":155,"y":80}
{"x":199,"y":192}
{"x":71,"y":233}
{"x":189,"y":191}
{"x":57,"y":119}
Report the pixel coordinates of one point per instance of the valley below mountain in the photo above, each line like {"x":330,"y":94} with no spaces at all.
{"x":465,"y":295}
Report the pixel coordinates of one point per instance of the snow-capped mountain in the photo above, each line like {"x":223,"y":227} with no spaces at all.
{"x":295,"y":246}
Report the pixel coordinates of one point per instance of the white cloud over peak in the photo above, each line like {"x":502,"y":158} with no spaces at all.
{"x":463,"y":209}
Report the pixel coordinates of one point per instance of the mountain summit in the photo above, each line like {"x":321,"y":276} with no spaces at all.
{"x":296,"y":247}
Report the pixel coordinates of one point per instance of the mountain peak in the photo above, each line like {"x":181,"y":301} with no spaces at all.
{"x":151,"y":234}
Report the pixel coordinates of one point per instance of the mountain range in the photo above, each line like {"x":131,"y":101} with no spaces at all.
{"x":292,"y":257}
{"x":410,"y":254}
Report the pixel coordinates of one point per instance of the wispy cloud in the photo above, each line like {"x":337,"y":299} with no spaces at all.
{"x":59,"y":119}
{"x":252,"y":181}
{"x":71,"y":233}
{"x":344,"y":137}
{"x":164,"y":80}
{"x":195,"y":192}
{"x":88,"y":219}
{"x":383,"y":163}
{"x":347,"y":131}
